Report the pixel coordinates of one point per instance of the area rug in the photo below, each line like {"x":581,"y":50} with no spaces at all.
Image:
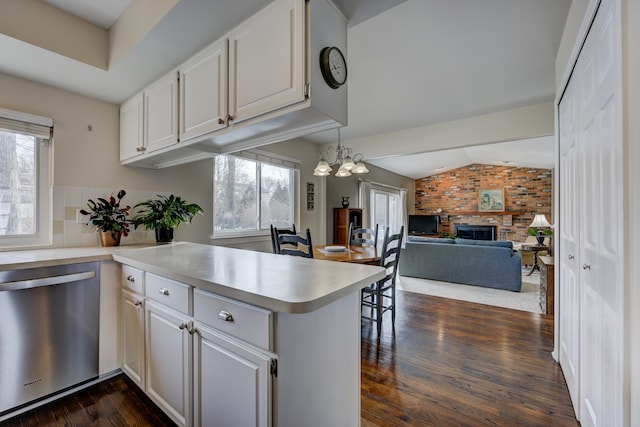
{"x":526,"y":300}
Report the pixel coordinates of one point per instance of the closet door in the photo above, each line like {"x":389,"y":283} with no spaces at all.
{"x":601,"y":257}
{"x":569,"y":297}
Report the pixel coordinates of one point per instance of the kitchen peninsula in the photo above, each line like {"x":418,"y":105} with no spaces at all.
{"x":244,"y":337}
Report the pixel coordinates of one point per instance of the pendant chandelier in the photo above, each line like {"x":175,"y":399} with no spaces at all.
{"x":342,"y":157}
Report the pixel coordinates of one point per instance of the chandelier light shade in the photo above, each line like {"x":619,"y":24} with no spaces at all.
{"x":343,"y":158}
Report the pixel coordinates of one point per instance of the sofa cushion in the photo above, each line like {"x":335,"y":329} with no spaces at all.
{"x":495,"y":243}
{"x":422,"y":239}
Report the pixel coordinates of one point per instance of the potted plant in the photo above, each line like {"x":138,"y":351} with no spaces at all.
{"x":108,"y":218}
{"x":164,"y":214}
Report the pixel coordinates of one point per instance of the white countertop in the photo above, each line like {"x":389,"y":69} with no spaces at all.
{"x":279,"y":283}
{"x":17,"y":260}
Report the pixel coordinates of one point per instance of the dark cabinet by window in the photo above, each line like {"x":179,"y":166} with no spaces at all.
{"x":342,"y":217}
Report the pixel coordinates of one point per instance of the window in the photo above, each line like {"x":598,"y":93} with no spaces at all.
{"x":386,"y":206}
{"x":250,"y":195}
{"x":24,"y":180}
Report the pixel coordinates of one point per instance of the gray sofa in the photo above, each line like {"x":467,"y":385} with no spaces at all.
{"x":492,"y":264}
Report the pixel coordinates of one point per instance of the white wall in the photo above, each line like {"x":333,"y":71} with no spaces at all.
{"x":509,"y":125}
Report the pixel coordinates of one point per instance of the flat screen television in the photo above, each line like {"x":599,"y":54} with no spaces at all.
{"x":424,"y":224}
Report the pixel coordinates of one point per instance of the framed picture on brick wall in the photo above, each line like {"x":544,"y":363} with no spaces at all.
{"x":491,"y":200}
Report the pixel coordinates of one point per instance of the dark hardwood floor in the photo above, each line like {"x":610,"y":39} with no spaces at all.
{"x":448,"y":363}
{"x":113,"y":402}
{"x":454,"y":363}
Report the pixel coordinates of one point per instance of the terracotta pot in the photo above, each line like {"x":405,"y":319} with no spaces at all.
{"x":107,"y":238}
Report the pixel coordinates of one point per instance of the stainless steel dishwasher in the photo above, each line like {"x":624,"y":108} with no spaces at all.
{"x":49,"y":320}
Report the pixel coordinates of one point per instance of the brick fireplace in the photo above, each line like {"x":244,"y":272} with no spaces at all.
{"x":527,"y":191}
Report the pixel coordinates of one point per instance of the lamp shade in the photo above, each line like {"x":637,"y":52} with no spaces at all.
{"x":540,"y":221}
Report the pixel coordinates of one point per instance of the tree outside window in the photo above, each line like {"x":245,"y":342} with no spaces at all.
{"x":249,"y":196}
{"x":18,"y":199}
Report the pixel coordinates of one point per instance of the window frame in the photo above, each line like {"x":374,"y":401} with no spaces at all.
{"x":36,"y":126}
{"x":260,"y":158}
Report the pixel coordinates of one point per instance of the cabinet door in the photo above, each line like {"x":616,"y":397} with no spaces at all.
{"x":131,"y":119}
{"x":168,"y":357}
{"x":232,"y":382}
{"x":133,"y":336}
{"x":203,"y":92}
{"x":161,"y":113}
{"x":267,"y":60}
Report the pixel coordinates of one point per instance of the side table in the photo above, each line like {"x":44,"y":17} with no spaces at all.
{"x":535,"y":249}
{"x":546,"y":284}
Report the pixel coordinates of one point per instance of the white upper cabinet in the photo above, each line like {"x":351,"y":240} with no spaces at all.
{"x":203,"y":92}
{"x":250,"y":88}
{"x":131,"y":117}
{"x":266,"y":61}
{"x":161,"y":113}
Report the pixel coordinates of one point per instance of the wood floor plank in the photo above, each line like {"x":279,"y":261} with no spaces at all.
{"x":454,"y":363}
{"x":447,"y":363}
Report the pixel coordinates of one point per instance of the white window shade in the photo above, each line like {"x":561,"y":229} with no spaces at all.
{"x":27,"y":124}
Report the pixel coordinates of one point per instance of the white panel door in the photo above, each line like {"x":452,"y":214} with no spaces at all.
{"x":601,"y":314}
{"x":569,"y":296}
{"x":161,"y":113}
{"x":232,"y":382}
{"x":203,"y":92}
{"x":168,"y":368}
{"x":131,"y":128}
{"x":266,"y":60}
{"x":133,"y":337}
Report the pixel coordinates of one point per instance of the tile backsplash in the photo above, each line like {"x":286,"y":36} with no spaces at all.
{"x":67,"y":232}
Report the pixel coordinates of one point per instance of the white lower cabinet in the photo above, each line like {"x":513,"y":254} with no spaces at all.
{"x":133,"y":336}
{"x":232,"y":382}
{"x":199,"y":375}
{"x":168,"y":361}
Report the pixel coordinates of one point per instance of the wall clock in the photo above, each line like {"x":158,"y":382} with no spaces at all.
{"x":333,"y":67}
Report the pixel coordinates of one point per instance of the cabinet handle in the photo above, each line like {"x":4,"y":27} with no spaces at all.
{"x":229,"y":117}
{"x":183,"y":326}
{"x":137,"y":303}
{"x":226,"y":316}
{"x":140,"y":149}
{"x":164,"y":291}
{"x":131,"y":279}
{"x":586,"y":266}
{"x":571,"y":257}
{"x":220,"y":121}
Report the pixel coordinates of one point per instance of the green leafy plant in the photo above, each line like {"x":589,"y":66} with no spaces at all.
{"x":107,"y":215}
{"x":534,"y":231}
{"x":164,"y":212}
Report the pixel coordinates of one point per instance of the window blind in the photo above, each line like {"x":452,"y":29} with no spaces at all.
{"x":269,"y":158}
{"x":28,"y":124}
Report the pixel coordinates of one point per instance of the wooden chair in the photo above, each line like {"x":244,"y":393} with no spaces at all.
{"x":280,"y":231}
{"x":380,"y":297}
{"x":360,"y":236}
{"x":289,"y":240}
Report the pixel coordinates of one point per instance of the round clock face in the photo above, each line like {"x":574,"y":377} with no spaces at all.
{"x":333,"y":67}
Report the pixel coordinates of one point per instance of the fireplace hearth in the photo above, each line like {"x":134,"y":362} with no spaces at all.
{"x":476,"y":232}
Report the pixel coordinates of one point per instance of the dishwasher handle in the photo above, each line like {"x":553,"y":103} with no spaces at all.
{"x":46,"y":281}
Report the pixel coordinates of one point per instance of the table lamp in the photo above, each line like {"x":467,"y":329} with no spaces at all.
{"x":540,"y":222}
